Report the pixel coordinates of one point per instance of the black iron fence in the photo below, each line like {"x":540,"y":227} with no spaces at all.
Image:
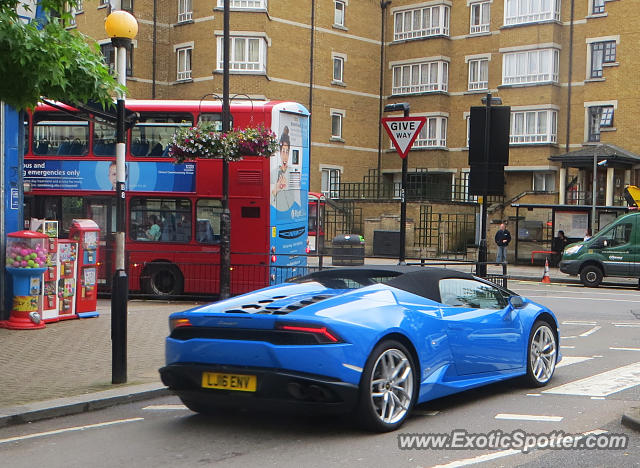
{"x":189,"y":279}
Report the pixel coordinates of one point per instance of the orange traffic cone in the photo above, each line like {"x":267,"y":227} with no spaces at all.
{"x":545,"y":276}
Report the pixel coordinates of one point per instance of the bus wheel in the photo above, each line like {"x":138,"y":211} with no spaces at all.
{"x":591,"y":276}
{"x":162,"y":281}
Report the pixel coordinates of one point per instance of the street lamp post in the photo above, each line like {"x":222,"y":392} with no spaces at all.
{"x":405,"y":107}
{"x":225,"y":221}
{"x":121,"y":27}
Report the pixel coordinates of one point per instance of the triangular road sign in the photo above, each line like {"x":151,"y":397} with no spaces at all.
{"x":403,"y":131}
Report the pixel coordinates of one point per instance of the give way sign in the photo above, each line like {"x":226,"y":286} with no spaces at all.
{"x":403,"y":131}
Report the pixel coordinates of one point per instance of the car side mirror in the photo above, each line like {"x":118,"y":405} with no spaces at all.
{"x":516,"y":302}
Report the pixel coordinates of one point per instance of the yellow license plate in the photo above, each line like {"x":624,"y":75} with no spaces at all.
{"x":243,"y":383}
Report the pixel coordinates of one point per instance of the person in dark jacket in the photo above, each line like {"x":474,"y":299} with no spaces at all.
{"x":503,"y":237}
{"x":557,"y":246}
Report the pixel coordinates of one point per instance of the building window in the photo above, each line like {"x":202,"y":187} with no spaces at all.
{"x":599,"y":117}
{"x":535,"y":126}
{"x":127,"y":5}
{"x":336,"y":124}
{"x":109,"y":54}
{"x":330,"y":182}
{"x":432,"y":134}
{"x":248,"y":54}
{"x":598,"y":6}
{"x":421,"y":22}
{"x":185,"y":11}
{"x":544,"y":182}
{"x":338,"y":15}
{"x":245,"y":4}
{"x":480,"y":17}
{"x":183,"y":59}
{"x":478,"y":74}
{"x":532,"y":66}
{"x":533,"y":11}
{"x":601,"y":53}
{"x":420,"y":77}
{"x":338,"y":69}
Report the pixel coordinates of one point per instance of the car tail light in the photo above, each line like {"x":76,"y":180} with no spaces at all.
{"x":273,"y":255}
{"x":323,"y":334}
{"x":179,"y":322}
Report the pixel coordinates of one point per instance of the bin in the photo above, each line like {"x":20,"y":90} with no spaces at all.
{"x":348,"y":249}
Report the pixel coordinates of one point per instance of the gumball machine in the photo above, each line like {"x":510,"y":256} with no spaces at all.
{"x":26,"y":262}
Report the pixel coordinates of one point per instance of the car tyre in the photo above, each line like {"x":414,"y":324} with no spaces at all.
{"x":388,"y":387}
{"x":591,"y":276}
{"x":542,"y":353}
{"x":163,"y":281}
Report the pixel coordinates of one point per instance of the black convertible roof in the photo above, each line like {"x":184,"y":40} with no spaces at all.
{"x":425,"y":281}
{"x":419,"y":280}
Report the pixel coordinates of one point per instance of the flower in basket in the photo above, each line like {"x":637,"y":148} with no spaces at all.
{"x":202,"y":141}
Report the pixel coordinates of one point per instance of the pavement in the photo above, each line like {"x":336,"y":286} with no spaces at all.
{"x":65,"y":368}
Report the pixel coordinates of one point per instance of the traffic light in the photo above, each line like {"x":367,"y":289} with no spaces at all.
{"x":486,"y":176}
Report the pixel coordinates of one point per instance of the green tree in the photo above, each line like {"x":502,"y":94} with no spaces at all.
{"x":45,"y":59}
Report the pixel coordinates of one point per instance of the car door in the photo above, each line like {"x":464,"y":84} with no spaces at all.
{"x":618,"y":250}
{"x":485,"y":333}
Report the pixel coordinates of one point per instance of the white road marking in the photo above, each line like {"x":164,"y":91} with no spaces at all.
{"x":479,"y":459}
{"x":68,"y":429}
{"x":603,"y":384}
{"x":597,"y":355}
{"x":529,"y":417}
{"x":625,"y":349}
{"x":164,"y":407}
{"x":577,"y":322}
{"x":630,"y":325}
{"x":567,"y":337}
{"x":567,"y":347}
{"x":592,"y":331}
{"x":534,"y":394}
{"x":426,"y":413}
{"x":598,"y":398}
{"x":568,"y":360}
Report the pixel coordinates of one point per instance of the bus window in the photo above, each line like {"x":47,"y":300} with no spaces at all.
{"x":104,"y":139}
{"x":215,"y":118}
{"x":208,"y":216}
{"x":55,"y":133}
{"x":26,"y":133}
{"x":171,"y":216}
{"x":152,"y":134}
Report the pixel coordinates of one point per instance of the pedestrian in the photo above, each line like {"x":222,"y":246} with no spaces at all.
{"x":503,"y":237}
{"x":557,"y":246}
{"x":587,"y":235}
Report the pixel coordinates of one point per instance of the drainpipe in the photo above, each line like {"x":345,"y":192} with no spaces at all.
{"x":570,"y":77}
{"x":155,"y":41}
{"x":383,"y":9}
{"x":311,"y":51}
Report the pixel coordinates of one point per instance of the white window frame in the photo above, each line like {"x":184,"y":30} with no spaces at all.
{"x":467,"y":123}
{"x":420,"y":77}
{"x":530,"y":66}
{"x":533,"y":126}
{"x":185,"y":11}
{"x":245,"y":4}
{"x":187,"y":50}
{"x":243,"y":66}
{"x":421,"y":22}
{"x":339,"y":13}
{"x":531,"y":11}
{"x":433,"y":133}
{"x":606,"y":59}
{"x":475,"y":82}
{"x":543,"y":181}
{"x":342,"y":59}
{"x":479,"y":17}
{"x":339,"y":114}
{"x":328,"y":175}
{"x":607,"y":110}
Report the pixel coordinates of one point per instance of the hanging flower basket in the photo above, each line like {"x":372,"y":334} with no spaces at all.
{"x":202,"y":141}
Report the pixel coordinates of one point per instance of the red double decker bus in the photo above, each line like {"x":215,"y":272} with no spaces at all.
{"x":173,"y":210}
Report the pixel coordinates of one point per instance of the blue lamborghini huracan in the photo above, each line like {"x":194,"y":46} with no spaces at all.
{"x":374,"y":340}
